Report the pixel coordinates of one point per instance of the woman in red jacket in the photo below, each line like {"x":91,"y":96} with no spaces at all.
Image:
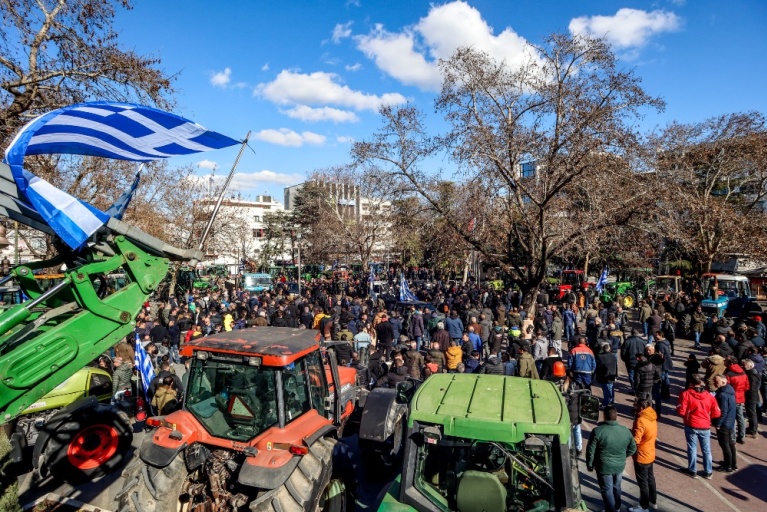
{"x":738,"y":379}
{"x":697,"y":407}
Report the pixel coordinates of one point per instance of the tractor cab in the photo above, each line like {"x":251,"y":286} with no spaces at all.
{"x":727,"y":294}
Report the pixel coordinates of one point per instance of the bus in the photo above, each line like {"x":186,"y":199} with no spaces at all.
{"x":257,"y":282}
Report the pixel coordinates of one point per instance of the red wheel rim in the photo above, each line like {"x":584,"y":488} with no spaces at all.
{"x":93,"y":446}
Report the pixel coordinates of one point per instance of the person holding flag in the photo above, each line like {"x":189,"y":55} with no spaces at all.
{"x":143,"y":363}
{"x":602,"y":280}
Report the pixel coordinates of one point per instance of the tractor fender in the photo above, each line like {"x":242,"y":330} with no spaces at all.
{"x":80,"y":406}
{"x":380,"y":415}
{"x":156,"y":455}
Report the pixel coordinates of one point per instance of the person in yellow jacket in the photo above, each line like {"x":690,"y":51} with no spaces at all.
{"x":228,"y":322}
{"x":645,"y":431}
{"x":454,"y":356}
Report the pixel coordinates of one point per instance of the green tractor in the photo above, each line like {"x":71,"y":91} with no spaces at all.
{"x":486,"y":442}
{"x":622,"y":292}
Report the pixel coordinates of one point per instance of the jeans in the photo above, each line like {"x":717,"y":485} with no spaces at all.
{"x":644,"y":327}
{"x":584,"y":379}
{"x":697,"y":339}
{"x":608,"y":393}
{"x":693,"y":436}
{"x":173,"y":354}
{"x":569,"y":331}
{"x":646,"y":482}
{"x":418,"y":341}
{"x":610,"y":488}
{"x":578,"y":437}
{"x":740,"y":421}
{"x":727,"y":444}
{"x":631,"y":371}
{"x":656,"y":400}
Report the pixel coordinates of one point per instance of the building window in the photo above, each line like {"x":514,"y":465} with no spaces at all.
{"x":257,"y":218}
{"x":527,"y":169}
{"x":259,"y":233}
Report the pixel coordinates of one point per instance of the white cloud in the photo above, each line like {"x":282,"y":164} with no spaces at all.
{"x":628,"y":28}
{"x":342,"y":139}
{"x":221,"y":78}
{"x":353,"y":67}
{"x":341,"y":31}
{"x":306,"y":113}
{"x":321,"y":88}
{"x":245,"y":181}
{"x":286,"y":137}
{"x":411,"y":56}
{"x":207,"y":164}
{"x":265,"y":67}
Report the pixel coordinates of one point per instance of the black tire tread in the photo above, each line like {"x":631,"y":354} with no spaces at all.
{"x":150,"y":488}
{"x":305,"y":485}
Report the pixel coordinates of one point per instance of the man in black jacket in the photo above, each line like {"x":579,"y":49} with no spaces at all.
{"x":632,"y":347}
{"x":397,"y":374}
{"x":645,"y":376}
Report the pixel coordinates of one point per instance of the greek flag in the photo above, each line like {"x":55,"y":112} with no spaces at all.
{"x":117,"y":210}
{"x":404,"y":290}
{"x":602,"y":280}
{"x":144,"y":365}
{"x":372,"y":276}
{"x":122,"y":131}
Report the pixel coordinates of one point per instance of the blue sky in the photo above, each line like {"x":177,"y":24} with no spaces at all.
{"x":307,"y":77}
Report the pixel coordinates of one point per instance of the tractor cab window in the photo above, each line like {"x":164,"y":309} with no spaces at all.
{"x":318,"y":390}
{"x":232,"y":399}
{"x":449,"y":471}
{"x":572,"y":278}
{"x":296,"y":390}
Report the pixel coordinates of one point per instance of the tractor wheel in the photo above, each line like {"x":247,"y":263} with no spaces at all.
{"x":312,"y":486}
{"x":629,"y":300}
{"x":149,"y":488}
{"x":88,"y":445}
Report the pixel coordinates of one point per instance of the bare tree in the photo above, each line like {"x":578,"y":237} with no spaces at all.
{"x":527,"y":142}
{"x":714,"y":183}
{"x":58,"y":52}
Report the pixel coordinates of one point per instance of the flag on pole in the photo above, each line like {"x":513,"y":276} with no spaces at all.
{"x":404,"y":290}
{"x":117,"y":210}
{"x":143,"y":362}
{"x":602,"y":280}
{"x":123,"y":131}
{"x":372,"y":276}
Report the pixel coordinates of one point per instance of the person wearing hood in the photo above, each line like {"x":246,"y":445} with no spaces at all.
{"x":645,"y":431}
{"x":725,"y":424}
{"x":228,"y":322}
{"x":376,"y":366}
{"x":739,"y":382}
{"x":698,"y":408}
{"x":397,"y":374}
{"x":752,"y":397}
{"x":714,"y":365}
{"x":493,"y":365}
{"x":645,"y":377}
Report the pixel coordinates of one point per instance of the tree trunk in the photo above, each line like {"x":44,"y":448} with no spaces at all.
{"x":586,"y":267}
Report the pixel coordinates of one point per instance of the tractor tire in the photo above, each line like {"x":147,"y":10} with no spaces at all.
{"x":312,"y":486}
{"x":88,"y":445}
{"x":147,"y":488}
{"x":386,"y":454}
{"x":628,"y":301}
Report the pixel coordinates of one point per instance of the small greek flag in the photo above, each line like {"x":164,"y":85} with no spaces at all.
{"x":372,"y":276}
{"x":602,"y":280}
{"x":117,"y":210}
{"x":404,"y":290}
{"x":143,"y":362}
{"x":123,"y":131}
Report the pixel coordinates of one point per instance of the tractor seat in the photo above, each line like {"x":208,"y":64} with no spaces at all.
{"x":480,"y":492}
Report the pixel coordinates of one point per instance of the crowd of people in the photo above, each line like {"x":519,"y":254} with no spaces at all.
{"x":470,"y":329}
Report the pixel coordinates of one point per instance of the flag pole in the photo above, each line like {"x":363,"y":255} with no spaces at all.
{"x":221,"y":195}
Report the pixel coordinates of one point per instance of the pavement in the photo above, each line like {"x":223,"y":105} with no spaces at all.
{"x":743,"y":491}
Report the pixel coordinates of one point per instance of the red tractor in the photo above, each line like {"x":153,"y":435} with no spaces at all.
{"x":257,"y":431}
{"x":570,"y":283}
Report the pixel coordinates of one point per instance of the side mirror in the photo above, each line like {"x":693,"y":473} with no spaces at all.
{"x":589,"y":406}
{"x":404,"y":391}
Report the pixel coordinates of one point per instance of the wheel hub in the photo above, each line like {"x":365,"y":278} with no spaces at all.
{"x":93,"y":446}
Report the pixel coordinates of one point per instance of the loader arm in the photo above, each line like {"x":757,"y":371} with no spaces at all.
{"x":47,"y":339}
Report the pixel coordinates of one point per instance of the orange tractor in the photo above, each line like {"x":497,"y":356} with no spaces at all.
{"x":258,"y":429}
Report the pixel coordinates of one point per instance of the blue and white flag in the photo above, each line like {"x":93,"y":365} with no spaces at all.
{"x":404,"y":290}
{"x":117,"y":210}
{"x":143,"y":362}
{"x":602,"y":280}
{"x":372,"y":276}
{"x":123,"y":131}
